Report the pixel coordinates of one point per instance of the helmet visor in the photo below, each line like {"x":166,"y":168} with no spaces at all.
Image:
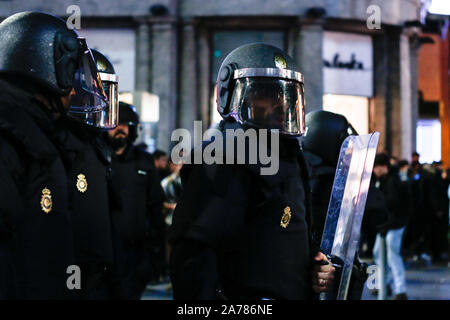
{"x":90,"y":103}
{"x":270,"y":103}
{"x":111,"y":87}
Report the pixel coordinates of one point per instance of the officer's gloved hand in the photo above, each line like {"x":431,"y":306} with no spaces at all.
{"x":323,"y":274}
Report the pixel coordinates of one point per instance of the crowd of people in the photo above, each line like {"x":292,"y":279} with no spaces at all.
{"x":417,"y":196}
{"x":407,"y":211}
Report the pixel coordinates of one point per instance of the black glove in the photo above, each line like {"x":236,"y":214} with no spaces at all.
{"x":357,"y":280}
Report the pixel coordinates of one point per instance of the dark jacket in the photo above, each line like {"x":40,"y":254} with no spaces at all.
{"x":35,"y":230}
{"x":396,"y":194}
{"x":138,"y":217}
{"x":140,"y":196}
{"x":424,"y":193}
{"x":322,"y":178}
{"x":375,"y":214}
{"x":227,"y":234}
{"x":88,"y":171}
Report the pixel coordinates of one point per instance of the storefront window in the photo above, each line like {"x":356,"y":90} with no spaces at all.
{"x":354,"y":108}
{"x":429,"y":140}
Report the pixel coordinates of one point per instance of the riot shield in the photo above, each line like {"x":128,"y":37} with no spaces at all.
{"x":341,"y":233}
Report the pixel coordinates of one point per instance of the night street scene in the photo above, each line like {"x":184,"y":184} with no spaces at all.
{"x":242,"y":152}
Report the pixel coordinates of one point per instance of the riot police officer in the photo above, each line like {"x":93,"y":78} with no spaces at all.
{"x":139,"y":219}
{"x":43,"y":65}
{"x":237,"y":233}
{"x":89,"y":168}
{"x":326,"y":131}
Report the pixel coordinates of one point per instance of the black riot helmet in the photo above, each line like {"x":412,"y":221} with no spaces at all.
{"x":108,"y":117}
{"x":129,"y":116}
{"x":325,"y":133}
{"x":259,"y":85}
{"x":39,"y":48}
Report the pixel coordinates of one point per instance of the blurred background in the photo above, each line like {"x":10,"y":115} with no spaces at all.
{"x":384,"y":64}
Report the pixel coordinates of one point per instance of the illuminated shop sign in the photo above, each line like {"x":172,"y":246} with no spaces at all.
{"x":348,"y":64}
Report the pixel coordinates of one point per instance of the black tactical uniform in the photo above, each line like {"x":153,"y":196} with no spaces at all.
{"x":236,"y":233}
{"x":139,"y":219}
{"x":35,"y":224}
{"x":89,"y":170}
{"x":227,"y":232}
{"x":40,"y":62}
{"x":326,"y":131}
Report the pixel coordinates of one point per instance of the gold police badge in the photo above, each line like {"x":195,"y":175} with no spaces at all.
{"x":46,"y":200}
{"x":286,"y":218}
{"x":280,"y":62}
{"x":81,"y":183}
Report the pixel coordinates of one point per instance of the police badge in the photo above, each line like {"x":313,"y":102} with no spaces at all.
{"x":81,"y":183}
{"x":280,"y":62}
{"x":46,"y":200}
{"x":286,"y":218}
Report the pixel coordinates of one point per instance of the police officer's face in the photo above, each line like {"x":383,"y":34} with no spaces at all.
{"x":119,"y":132}
{"x":162,"y":162}
{"x":269,"y":111}
{"x":380,"y":171}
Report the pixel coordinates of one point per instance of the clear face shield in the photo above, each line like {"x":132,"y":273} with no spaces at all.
{"x":111,"y":88}
{"x":269,"y":98}
{"x":90,"y":104}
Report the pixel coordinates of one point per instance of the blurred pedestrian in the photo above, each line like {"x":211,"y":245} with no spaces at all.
{"x":392,"y":228}
{"x":439,"y":223}
{"x":161,"y":162}
{"x":403,"y":167}
{"x":425,"y":204}
{"x":415,"y":159}
{"x":173,"y":190}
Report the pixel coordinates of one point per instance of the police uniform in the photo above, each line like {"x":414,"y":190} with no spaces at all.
{"x":88,"y":172}
{"x":91,"y":198}
{"x":138,"y":217}
{"x":139,"y":221}
{"x":47,"y":61}
{"x":241,"y":234}
{"x":35,"y":223}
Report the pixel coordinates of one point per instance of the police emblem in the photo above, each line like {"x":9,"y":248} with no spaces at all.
{"x":81,"y":183}
{"x":101,"y":65}
{"x":286,"y":218}
{"x":280,"y":62}
{"x":46,"y":200}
